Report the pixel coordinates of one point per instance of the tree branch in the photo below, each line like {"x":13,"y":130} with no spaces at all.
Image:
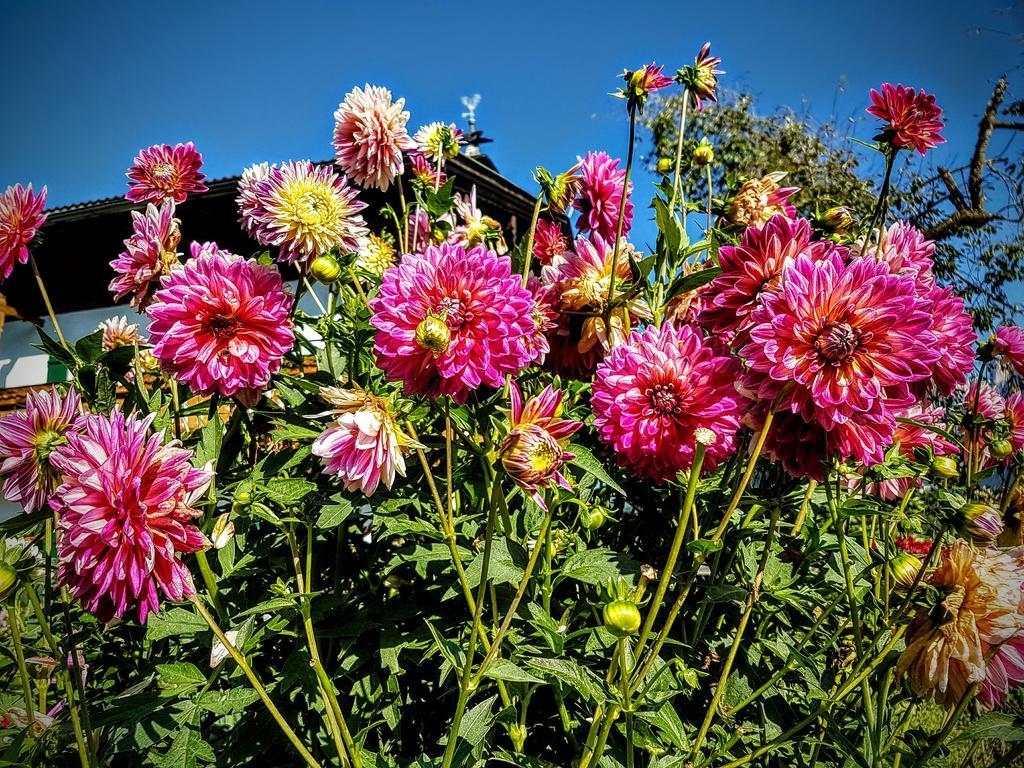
{"x":974,"y":185}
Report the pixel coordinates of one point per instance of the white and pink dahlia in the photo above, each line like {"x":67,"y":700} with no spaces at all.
{"x":118,"y":332}
{"x":306,"y":210}
{"x":249,"y":206}
{"x":163,"y":172}
{"x":28,"y":439}
{"x":601,"y":196}
{"x":451,"y":320}
{"x":1008,"y":343}
{"x":21,"y":216}
{"x":955,"y":336}
{"x":221,"y":324}
{"x":364,"y":446}
{"x":533,"y":452}
{"x":438,"y":142}
{"x":842,"y":339}
{"x":906,"y":250}
{"x":759,"y":199}
{"x":370,"y":136}
{"x":652,"y":395}
{"x":126,"y":508}
{"x":150,"y":253}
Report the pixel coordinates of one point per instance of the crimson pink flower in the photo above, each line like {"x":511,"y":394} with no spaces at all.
{"x":1014,"y":414}
{"x":533,"y":452}
{"x":701,"y":77}
{"x":549,"y":240}
{"x":126,"y":508}
{"x":364,"y":444}
{"x":1008,"y":343}
{"x":370,"y":136}
{"x":913,"y":120}
{"x":452,"y":320}
{"x":221,"y":324}
{"x":752,"y":267}
{"x":601,"y":196}
{"x":162,"y":171}
{"x":21,"y":216}
{"x":544,"y":321}
{"x":304,"y":209}
{"x":907,"y":252}
{"x":150,"y":253}
{"x":652,"y":395}
{"x":849,"y":338}
{"x":27,"y":441}
{"x":642,"y":82}
{"x":955,"y":337}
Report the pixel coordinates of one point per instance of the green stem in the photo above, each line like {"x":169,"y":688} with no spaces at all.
{"x":528,"y":256}
{"x":46,"y":300}
{"x":755,"y":589}
{"x":798,"y":524}
{"x":883,"y":198}
{"x":254,"y":682}
{"x":622,"y":209}
{"x":76,"y":679}
{"x":708,"y":232}
{"x":679,"y":158}
{"x":14,"y":616}
{"x":951,"y":723}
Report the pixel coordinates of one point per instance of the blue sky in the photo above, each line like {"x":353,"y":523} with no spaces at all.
{"x":88,"y":84}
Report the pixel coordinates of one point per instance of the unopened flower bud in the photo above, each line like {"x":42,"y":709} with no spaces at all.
{"x":982,"y":522}
{"x":592,"y":518}
{"x":665,"y":165}
{"x":8,"y":580}
{"x":223,"y":531}
{"x":433,"y":334}
{"x":621,"y":617}
{"x":517,"y":734}
{"x":945,"y":467}
{"x":1000,"y":448}
{"x":904,"y":568}
{"x":325,"y":269}
{"x":837,"y":218}
{"x":704,"y":153}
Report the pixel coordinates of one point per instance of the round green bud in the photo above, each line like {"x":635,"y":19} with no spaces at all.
{"x":622,"y":617}
{"x":325,"y":269}
{"x":945,"y":467}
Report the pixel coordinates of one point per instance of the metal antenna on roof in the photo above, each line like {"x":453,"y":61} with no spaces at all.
{"x":472,"y":138}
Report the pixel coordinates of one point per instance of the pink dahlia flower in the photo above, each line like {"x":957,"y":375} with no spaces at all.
{"x":1008,"y":343}
{"x":364,"y":445}
{"x":652,"y":394}
{"x":164,"y":172}
{"x":601,"y":196}
{"x":150,"y":253}
{"x":752,"y":267}
{"x":577,"y":284}
{"x":21,"y":216}
{"x":549,"y":241}
{"x":425,"y":174}
{"x":989,"y":406}
{"x":118,"y":332}
{"x":758,"y":200}
{"x":476,"y":228}
{"x":640,"y":83}
{"x":306,"y":210}
{"x":27,"y":441}
{"x":954,"y":332}
{"x":851,"y":338}
{"x":126,"y":508}
{"x":701,"y":78}
{"x":913,"y":120}
{"x":452,"y":320}
{"x":544,"y":321}
{"x":1003,"y":671}
{"x":906,"y":251}
{"x":221,"y":324}
{"x":370,"y":136}
{"x":1014,"y":415}
{"x":249,"y":205}
{"x":533,"y":452}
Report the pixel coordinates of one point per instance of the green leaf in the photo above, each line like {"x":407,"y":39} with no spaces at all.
{"x":210,"y":439}
{"x":335,"y":514}
{"x":577,"y":677}
{"x":993,"y":725}
{"x":187,"y":749}
{"x":694,"y":280}
{"x":473,"y":727}
{"x":289,"y":491}
{"x":227,"y":702}
{"x":181,"y":674}
{"x":503,"y":669}
{"x":274,"y":605}
{"x":588,"y":462}
{"x":177,"y":621}
{"x":706,"y":546}
{"x":89,"y":348}
{"x":597,"y":566}
{"x":55,"y":349}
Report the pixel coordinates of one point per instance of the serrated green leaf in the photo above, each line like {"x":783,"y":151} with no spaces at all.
{"x":588,"y":462}
{"x":180,"y":674}
{"x":503,"y":669}
{"x":289,"y":491}
{"x":176,"y":621}
{"x":334,"y":514}
{"x":473,"y":727}
{"x":577,"y":677}
{"x":227,"y":702}
{"x":597,"y":566}
{"x":998,"y":726}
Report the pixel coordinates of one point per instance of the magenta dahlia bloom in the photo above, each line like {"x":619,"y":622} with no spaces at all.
{"x":425,"y":174}
{"x":544,"y":320}
{"x":305,"y":209}
{"x":701,"y":78}
{"x":27,"y":441}
{"x":754,"y":266}
{"x":364,"y":445}
{"x":533,"y":452}
{"x":907,"y":252}
{"x":549,"y":241}
{"x":640,"y":83}
{"x":221,"y":324}
{"x":601,"y":196}
{"x":849,"y":338}
{"x":370,"y":136}
{"x":126,"y":509}
{"x":150,"y":253}
{"x":955,"y":337}
{"x":1014,"y":416}
{"x":650,"y":396}
{"x":164,"y":172}
{"x":913,"y":120}
{"x":1008,"y":343}
{"x":451,"y":320}
{"x":21,"y":216}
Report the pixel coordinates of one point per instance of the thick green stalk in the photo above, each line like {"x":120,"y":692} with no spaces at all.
{"x":14,"y":616}
{"x":529,"y":238}
{"x":622,"y":209}
{"x":46,"y":300}
{"x":254,"y":682}
{"x":679,"y":158}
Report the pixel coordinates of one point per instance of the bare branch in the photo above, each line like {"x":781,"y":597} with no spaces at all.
{"x":956,"y":222}
{"x":1008,"y":124}
{"x":974,"y":185}
{"x":955,"y":196}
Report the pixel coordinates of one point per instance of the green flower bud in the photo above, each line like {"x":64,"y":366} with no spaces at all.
{"x":325,"y":269}
{"x":665,"y":165}
{"x":621,"y":617}
{"x":904,"y":568}
{"x":1000,"y":448}
{"x":433,"y":334}
{"x":945,"y":467}
{"x":704,"y":153}
{"x":593,"y":518}
{"x":8,"y":580}
{"x":837,"y":218}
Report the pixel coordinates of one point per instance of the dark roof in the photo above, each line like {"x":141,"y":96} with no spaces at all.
{"x":79,"y":240}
